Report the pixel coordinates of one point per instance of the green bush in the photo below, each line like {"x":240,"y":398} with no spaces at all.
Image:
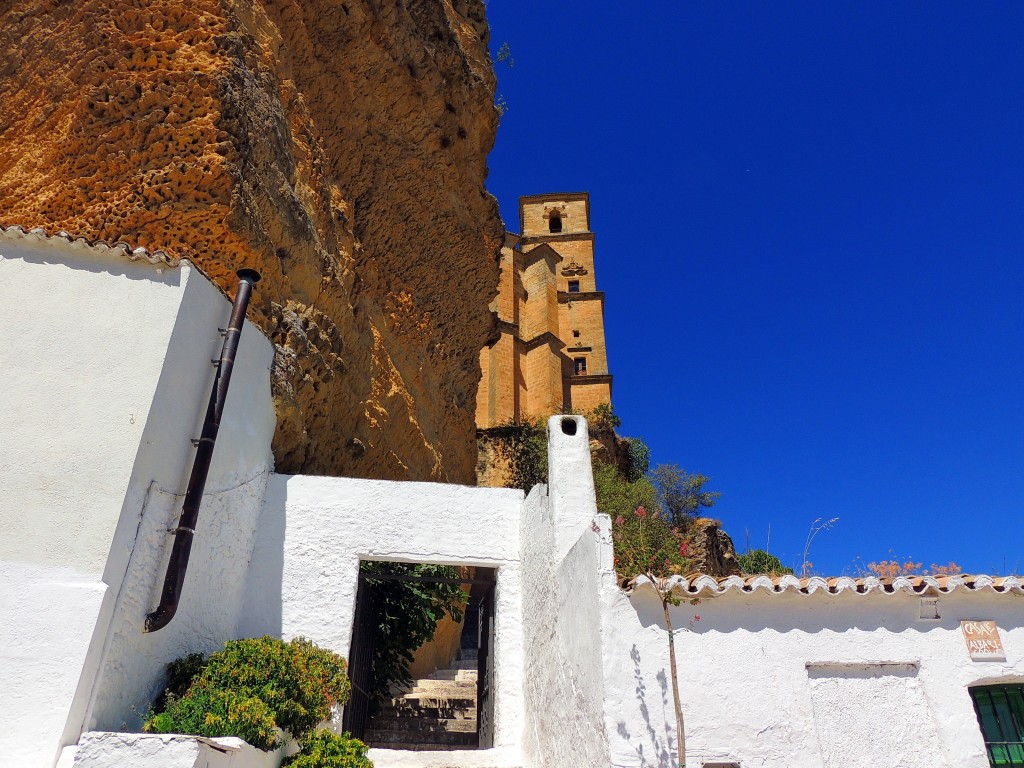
{"x":756,"y":561}
{"x":251,"y":687}
{"x":324,"y":749}
{"x":639,"y":459}
{"x":617,"y":496}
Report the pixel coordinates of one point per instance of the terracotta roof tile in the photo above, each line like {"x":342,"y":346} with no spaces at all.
{"x":15,"y":232}
{"x":702,"y":585}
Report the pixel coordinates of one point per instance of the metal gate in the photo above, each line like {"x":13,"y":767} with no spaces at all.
{"x":355,"y":717}
{"x":485,"y":673}
{"x":360,"y":664}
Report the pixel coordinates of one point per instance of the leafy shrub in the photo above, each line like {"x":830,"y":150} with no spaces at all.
{"x":404,"y":616}
{"x":755,"y":561}
{"x":210,"y":711}
{"x":251,"y":687}
{"x":638,"y":456}
{"x":603,"y":418}
{"x":523,"y":448}
{"x":180,"y":674}
{"x":324,"y":749}
{"x":617,"y":496}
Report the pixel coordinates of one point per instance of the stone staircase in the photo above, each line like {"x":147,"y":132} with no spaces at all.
{"x":437,"y":713}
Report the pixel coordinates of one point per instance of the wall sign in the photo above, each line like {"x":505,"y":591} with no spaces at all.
{"x":983,"y":642}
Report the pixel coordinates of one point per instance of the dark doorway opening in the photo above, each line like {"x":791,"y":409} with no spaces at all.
{"x":446,"y":700}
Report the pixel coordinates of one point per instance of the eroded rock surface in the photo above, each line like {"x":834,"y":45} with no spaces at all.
{"x":711,"y":548}
{"x":337,"y":147}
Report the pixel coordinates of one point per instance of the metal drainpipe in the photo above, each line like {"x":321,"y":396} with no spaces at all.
{"x":174,"y":579}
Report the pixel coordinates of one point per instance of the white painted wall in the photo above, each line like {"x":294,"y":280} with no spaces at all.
{"x":136,"y":750}
{"x":106,"y":375}
{"x":816,"y":681}
{"x":313,"y":533}
{"x":562,"y":677}
{"x":131,"y":669}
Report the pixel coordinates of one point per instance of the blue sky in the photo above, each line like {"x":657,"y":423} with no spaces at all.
{"x":810,"y":232}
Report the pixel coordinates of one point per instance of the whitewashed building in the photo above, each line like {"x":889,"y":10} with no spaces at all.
{"x":106,"y":379}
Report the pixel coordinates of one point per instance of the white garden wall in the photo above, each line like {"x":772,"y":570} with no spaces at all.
{"x":820,"y":680}
{"x":315,"y":530}
{"x":136,"y":750}
{"x":106,"y":376}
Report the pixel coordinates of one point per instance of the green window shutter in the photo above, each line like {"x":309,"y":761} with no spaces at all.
{"x":1000,"y":710}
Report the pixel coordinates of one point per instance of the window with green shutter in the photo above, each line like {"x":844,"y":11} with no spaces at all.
{"x":1000,"y":710}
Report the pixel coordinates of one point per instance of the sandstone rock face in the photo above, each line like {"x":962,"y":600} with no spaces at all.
{"x":711,"y":548}
{"x":339,"y":147}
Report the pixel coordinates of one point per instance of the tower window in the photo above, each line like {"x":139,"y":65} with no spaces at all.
{"x":580,"y":366}
{"x":555,"y":222}
{"x":574,"y":286}
{"x":575,"y":334}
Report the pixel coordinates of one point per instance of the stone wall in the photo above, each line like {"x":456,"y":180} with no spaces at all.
{"x":338,"y":146}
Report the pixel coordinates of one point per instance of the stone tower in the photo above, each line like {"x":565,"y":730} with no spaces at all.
{"x":550,"y":351}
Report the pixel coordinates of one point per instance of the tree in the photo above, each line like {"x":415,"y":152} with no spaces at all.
{"x":647,"y":544}
{"x":681,"y":494}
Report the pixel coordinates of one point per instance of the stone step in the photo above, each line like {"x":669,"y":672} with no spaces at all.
{"x":445,"y":687}
{"x":466,"y":663}
{"x":377,"y":738}
{"x":423,"y":747}
{"x":432,"y":700}
{"x":413,"y":709}
{"x":421,"y":725}
{"x":468,"y":654}
{"x":463,"y":675}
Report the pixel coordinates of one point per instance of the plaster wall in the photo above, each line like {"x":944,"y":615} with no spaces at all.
{"x":819,"y":680}
{"x":136,"y":750}
{"x":131,"y":666}
{"x":111,"y":373}
{"x":562,"y":676}
{"x":314,"y":531}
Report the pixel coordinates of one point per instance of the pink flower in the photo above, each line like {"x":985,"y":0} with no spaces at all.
{"x":697,"y":617}
{"x":684,"y":548}
{"x":641,"y":512}
{"x":620,"y":520}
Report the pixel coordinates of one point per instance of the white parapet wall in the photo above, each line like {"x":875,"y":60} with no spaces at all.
{"x":107,"y":378}
{"x":563,"y":682}
{"x":849,"y":675}
{"x":136,"y":750}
